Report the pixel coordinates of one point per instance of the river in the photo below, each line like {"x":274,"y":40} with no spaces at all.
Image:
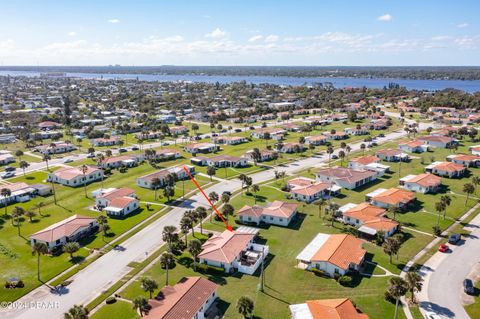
{"x":430,"y":85}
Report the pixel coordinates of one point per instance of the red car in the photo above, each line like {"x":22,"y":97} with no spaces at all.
{"x":443,"y":248}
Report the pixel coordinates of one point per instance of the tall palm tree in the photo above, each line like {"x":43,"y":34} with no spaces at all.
{"x":255,"y":190}
{"x":201,"y":213}
{"x":439,"y":207}
{"x":39,"y":249}
{"x":185,"y":225}
{"x":166,"y":259}
{"x":476,"y":181}
{"x":414,"y":283}
{"x":39,"y":206}
{"x":149,"y":285}
{"x":245,"y":306}
{"x":447,"y":200}
{"x":76,"y":312}
{"x":397,"y":289}
{"x":23,"y":165}
{"x":46,"y":158}
{"x":156,"y":184}
{"x":468,"y":189}
{"x":140,"y":304}
{"x":5,"y":193}
{"x":17,"y":212}
{"x":320,"y":203}
{"x":329,"y":152}
{"x":71,"y":248}
{"x":195,"y":248}
{"x":168,"y":235}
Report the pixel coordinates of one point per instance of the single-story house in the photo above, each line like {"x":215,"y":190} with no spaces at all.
{"x":233,"y":251}
{"x":190,"y":297}
{"x":275,"y":133}
{"x":167,"y":154}
{"x":368,"y":219}
{"x":345,"y":177}
{"x":178,"y":130}
{"x":421,"y":183}
{"x":335,"y":254}
{"x":121,"y":160}
{"x":265,"y":155}
{"x":195,"y":148}
{"x":316,"y":140}
{"x":277,"y":213}
{"x":98,"y":142}
{"x":438,"y":141}
{"x":447,"y":169}
{"x":19,"y":192}
{"x":392,"y":155}
{"x":336,"y":135}
{"x":475,"y":150}
{"x":227,"y":161}
{"x":326,"y":309}
{"x":229,"y":140}
{"x":117,"y":202}
{"x":292,"y":148}
{"x":393,"y":197}
{"x":308,"y":190}
{"x":414,"y":146}
{"x":55,"y":148}
{"x":75,"y":176}
{"x":73,"y":228}
{"x":465,"y":160}
{"x":146,"y":181}
{"x":6,"y":158}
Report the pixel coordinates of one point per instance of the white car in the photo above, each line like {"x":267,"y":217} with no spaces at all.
{"x":8,"y":175}
{"x":432,"y":315}
{"x":68,"y":160}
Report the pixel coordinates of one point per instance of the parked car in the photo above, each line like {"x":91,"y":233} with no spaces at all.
{"x":432,"y":315}
{"x":214,"y":134}
{"x":8,"y":175}
{"x":10,"y":169}
{"x":122,"y":150}
{"x":91,"y":155}
{"x":334,"y":156}
{"x":68,"y":160}
{"x":227,"y":193}
{"x":443,"y":248}
{"x":238,"y":130}
{"x":468,"y":287}
{"x":454,"y":238}
{"x":135,"y":148}
{"x":381,"y":135}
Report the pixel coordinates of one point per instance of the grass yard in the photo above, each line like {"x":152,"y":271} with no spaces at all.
{"x":119,"y":310}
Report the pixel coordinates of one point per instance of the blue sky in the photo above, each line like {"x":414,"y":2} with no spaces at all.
{"x":243,"y":32}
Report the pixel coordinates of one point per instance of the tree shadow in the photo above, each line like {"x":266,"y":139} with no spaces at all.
{"x":77,"y":260}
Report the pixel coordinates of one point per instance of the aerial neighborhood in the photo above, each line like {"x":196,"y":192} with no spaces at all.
{"x":211,"y":200}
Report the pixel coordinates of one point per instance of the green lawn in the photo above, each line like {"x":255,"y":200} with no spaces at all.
{"x":119,"y":310}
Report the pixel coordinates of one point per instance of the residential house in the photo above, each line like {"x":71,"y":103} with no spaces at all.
{"x":392,"y":155}
{"x":196,"y":148}
{"x":438,"y":141}
{"x":265,"y":155}
{"x":117,"y":202}
{"x":6,"y":158}
{"x":229,"y":140}
{"x":326,"y":309}
{"x":121,"y":160}
{"x":465,"y":160}
{"x":71,"y":229}
{"x":178,"y":130}
{"x":371,"y":163}
{"x":316,"y":140}
{"x":446,"y":169}
{"x":421,"y":183}
{"x":335,"y":254}
{"x":226,"y":161}
{"x":19,"y":192}
{"x":189,"y":298}
{"x":368,"y":219}
{"x":307,"y":190}
{"x":414,"y":146}
{"x":146,"y":181}
{"x":277,"y":213}
{"x":165,"y":154}
{"x":360,"y":130}
{"x":275,"y":133}
{"x":345,"y":177}
{"x":75,"y":176}
{"x":335,"y":136}
{"x":55,"y":148}
{"x":475,"y":150}
{"x":292,"y":148}
{"x":393,"y":197}
{"x":233,"y":251}
{"x":111,"y":141}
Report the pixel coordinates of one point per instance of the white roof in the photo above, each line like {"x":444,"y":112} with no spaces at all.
{"x":376,"y":192}
{"x":300,"y":311}
{"x":377,"y":166}
{"x":113,"y":209}
{"x":311,"y":249}
{"x":407,"y":178}
{"x":247,"y":230}
{"x":432,"y":165}
{"x":367,"y":230}
{"x":334,"y":188}
{"x":347,"y":207}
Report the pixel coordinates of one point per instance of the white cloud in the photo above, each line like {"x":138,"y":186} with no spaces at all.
{"x":386,"y":17}
{"x":255,"y":38}
{"x":114,"y":21}
{"x":72,"y":33}
{"x":462,"y":25}
{"x":272,"y":38}
{"x":216,"y":34}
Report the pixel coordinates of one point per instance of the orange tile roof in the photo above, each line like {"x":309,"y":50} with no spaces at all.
{"x":365,"y":212}
{"x":426,"y":180}
{"x":449,"y":167}
{"x":183,"y":300}
{"x":365,"y":160}
{"x":334,"y":309}
{"x":341,"y":250}
{"x":226,"y":246}
{"x":414,"y":143}
{"x":121,"y":202}
{"x":394,"y":196}
{"x":349,"y":175}
{"x":389,"y":152}
{"x":66,"y":227}
{"x":69,"y":173}
{"x":276,"y":208}
{"x":466,"y":158}
{"x":383,"y":224}
{"x":311,"y":189}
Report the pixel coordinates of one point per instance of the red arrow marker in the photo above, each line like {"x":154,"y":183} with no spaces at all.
{"x":227,"y":226}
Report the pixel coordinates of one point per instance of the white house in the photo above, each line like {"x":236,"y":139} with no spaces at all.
{"x":465,"y":160}
{"x":392,"y":155}
{"x":446,"y":169}
{"x":415,"y":146}
{"x":195,"y":148}
{"x":75,"y":176}
{"x":326,"y":309}
{"x":146,"y":181}
{"x":121,"y":160}
{"x":117,"y":202}
{"x":6,"y":158}
{"x":421,"y":183}
{"x":345,"y":177}
{"x":393,"y":197}
{"x":335,"y":254}
{"x":277,"y":213}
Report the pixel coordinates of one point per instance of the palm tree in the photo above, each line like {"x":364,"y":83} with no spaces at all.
{"x":30,"y":214}
{"x":439,"y":207}
{"x":362,"y":147}
{"x":168,"y":235}
{"x":255,"y":189}
{"x":320,"y":203}
{"x":46,"y":158}
{"x":341,"y":154}
{"x":476,"y":181}
{"x":393,"y":210}
{"x":245,"y":306}
{"x":148,"y":285}
{"x":166,"y":259}
{"x":211,"y":172}
{"x":17,"y":212}
{"x":447,"y":200}
{"x":468,"y":189}
{"x":227,"y":210}
{"x":155,"y":184}
{"x":39,"y":249}
{"x":71,"y":248}
{"x":397,"y":289}
{"x":169,"y":192}
{"x":201,"y":213}
{"x":76,"y":312}
{"x":23,"y":165}
{"x":6,"y":193}
{"x":195,"y":248}
{"x":391,"y":247}
{"x":39,"y":206}
{"x":185,"y":225}
{"x":329,"y":152}
{"x":414,"y":283}
{"x":140,"y":304}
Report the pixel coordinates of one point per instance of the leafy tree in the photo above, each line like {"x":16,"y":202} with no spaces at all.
{"x":76,"y":312}
{"x":225,"y":198}
{"x":148,"y":285}
{"x":227,"y":210}
{"x":245,"y":306}
{"x":169,"y":192}
{"x":195,"y":248}
{"x":30,"y":214}
{"x":71,"y":248}
{"x":5,"y":193}
{"x":211,"y":172}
